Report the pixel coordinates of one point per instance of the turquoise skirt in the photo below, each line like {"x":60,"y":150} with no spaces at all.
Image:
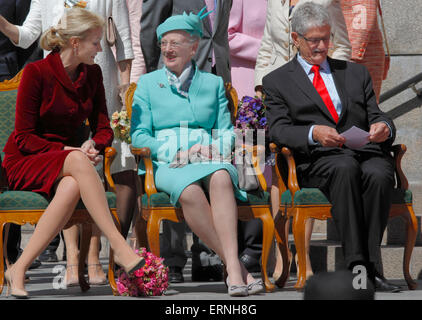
{"x":174,"y":180}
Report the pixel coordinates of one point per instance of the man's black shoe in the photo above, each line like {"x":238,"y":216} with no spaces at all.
{"x":48,"y":256}
{"x":250,"y":263}
{"x":381,"y":285}
{"x":176,"y":275}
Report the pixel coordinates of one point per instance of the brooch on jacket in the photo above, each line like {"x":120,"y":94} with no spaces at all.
{"x":161,"y":85}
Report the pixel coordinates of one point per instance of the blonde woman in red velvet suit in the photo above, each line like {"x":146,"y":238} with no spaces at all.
{"x":56,"y":96}
{"x":365,"y":36}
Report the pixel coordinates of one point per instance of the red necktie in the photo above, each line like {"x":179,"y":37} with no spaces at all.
{"x":319,"y":85}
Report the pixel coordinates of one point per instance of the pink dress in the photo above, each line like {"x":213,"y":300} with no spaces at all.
{"x":361,"y":18}
{"x":246,"y":28}
{"x":138,"y":64}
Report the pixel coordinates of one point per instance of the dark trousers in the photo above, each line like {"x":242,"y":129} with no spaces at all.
{"x":359,"y":187}
{"x":13,"y":242}
{"x":250,"y":238}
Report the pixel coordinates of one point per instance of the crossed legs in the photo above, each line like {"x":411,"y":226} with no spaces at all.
{"x":78,"y":179}
{"x":215,"y":222}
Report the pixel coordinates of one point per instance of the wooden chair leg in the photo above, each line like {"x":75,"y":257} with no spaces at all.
{"x":412,"y":229}
{"x":299,"y":222}
{"x":85,"y":238}
{"x":153,"y":233}
{"x":267,"y":238}
{"x":111,"y":279}
{"x":283,"y":246}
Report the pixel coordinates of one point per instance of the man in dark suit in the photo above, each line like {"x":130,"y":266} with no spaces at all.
{"x":12,"y":60}
{"x":213,"y":55}
{"x":310,"y":102}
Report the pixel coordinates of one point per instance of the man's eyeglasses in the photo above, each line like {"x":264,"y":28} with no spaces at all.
{"x":315,"y":41}
{"x":173,"y":44}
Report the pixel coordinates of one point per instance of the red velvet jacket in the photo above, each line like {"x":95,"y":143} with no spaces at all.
{"x":50,"y":109}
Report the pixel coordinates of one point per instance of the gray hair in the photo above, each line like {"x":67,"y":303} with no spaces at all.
{"x":309,"y":15}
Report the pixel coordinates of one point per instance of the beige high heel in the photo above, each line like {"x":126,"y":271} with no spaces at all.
{"x":98,"y":280}
{"x":15,"y":292}
{"x":70,"y":279}
{"x":133,"y":266}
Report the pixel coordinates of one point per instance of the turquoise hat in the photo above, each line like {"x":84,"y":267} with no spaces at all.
{"x":190,"y":23}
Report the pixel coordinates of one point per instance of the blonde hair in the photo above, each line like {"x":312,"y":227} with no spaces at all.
{"x":76,"y":22}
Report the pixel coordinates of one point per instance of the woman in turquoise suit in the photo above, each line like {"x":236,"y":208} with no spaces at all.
{"x":181,"y":114}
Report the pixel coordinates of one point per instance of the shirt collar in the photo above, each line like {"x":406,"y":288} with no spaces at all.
{"x":324,"y":67}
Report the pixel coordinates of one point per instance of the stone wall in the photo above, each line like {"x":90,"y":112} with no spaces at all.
{"x":404,"y":33}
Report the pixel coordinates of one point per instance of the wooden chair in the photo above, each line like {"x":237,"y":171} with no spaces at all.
{"x":156,"y":205}
{"x":304,"y":203}
{"x":21,"y":207}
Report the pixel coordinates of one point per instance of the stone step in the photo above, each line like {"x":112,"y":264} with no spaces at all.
{"x":327,"y":255}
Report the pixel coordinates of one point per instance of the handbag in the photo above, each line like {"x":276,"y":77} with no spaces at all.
{"x":248,"y":181}
{"x":110,"y":31}
{"x":387,"y":56}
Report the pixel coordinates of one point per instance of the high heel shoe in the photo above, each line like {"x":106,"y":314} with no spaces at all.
{"x":100,"y":278}
{"x":236,"y":291}
{"x":133,"y":266}
{"x":15,"y":292}
{"x":70,"y":279}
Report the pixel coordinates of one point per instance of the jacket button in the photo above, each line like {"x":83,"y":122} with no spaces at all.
{"x":209,"y":59}
{"x":359,"y":54}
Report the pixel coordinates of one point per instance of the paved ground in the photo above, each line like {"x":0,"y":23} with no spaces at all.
{"x":44,"y":279}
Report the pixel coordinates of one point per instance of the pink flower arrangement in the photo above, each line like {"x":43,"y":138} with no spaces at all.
{"x":150,"y":280}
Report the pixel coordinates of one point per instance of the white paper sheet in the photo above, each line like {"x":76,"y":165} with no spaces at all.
{"x":355,"y":137}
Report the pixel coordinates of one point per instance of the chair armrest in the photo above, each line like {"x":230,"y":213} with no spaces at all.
{"x":109,"y":155}
{"x":399,"y":150}
{"x":292,"y":183}
{"x":145,"y":155}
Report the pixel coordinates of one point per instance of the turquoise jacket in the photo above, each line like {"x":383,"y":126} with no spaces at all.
{"x":165,"y":121}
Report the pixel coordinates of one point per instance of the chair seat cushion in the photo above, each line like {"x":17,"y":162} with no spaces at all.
{"x":27,"y":200}
{"x":111,"y":200}
{"x":305,"y":196}
{"x":313,"y":196}
{"x":22,"y":200}
{"x":162,"y":199}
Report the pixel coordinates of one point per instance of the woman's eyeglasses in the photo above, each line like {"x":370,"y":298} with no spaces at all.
{"x":173,"y":44}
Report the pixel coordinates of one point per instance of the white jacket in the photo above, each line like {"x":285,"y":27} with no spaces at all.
{"x":277,"y":46}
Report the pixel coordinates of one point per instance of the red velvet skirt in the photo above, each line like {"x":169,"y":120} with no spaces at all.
{"x":34,"y":172}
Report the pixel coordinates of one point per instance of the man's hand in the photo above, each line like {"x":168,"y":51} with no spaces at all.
{"x":379,"y":132}
{"x":327,"y":136}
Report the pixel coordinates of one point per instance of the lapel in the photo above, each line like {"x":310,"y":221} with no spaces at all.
{"x":57,"y":69}
{"x":305,"y":85}
{"x":338,"y":70}
{"x":218,"y":14}
{"x":206,"y":21}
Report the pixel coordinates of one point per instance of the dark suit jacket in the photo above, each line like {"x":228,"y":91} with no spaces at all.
{"x":12,"y":58}
{"x":293,"y":106}
{"x":154,"y":12}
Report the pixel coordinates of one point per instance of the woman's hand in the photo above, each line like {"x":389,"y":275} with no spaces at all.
{"x":88,"y":148}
